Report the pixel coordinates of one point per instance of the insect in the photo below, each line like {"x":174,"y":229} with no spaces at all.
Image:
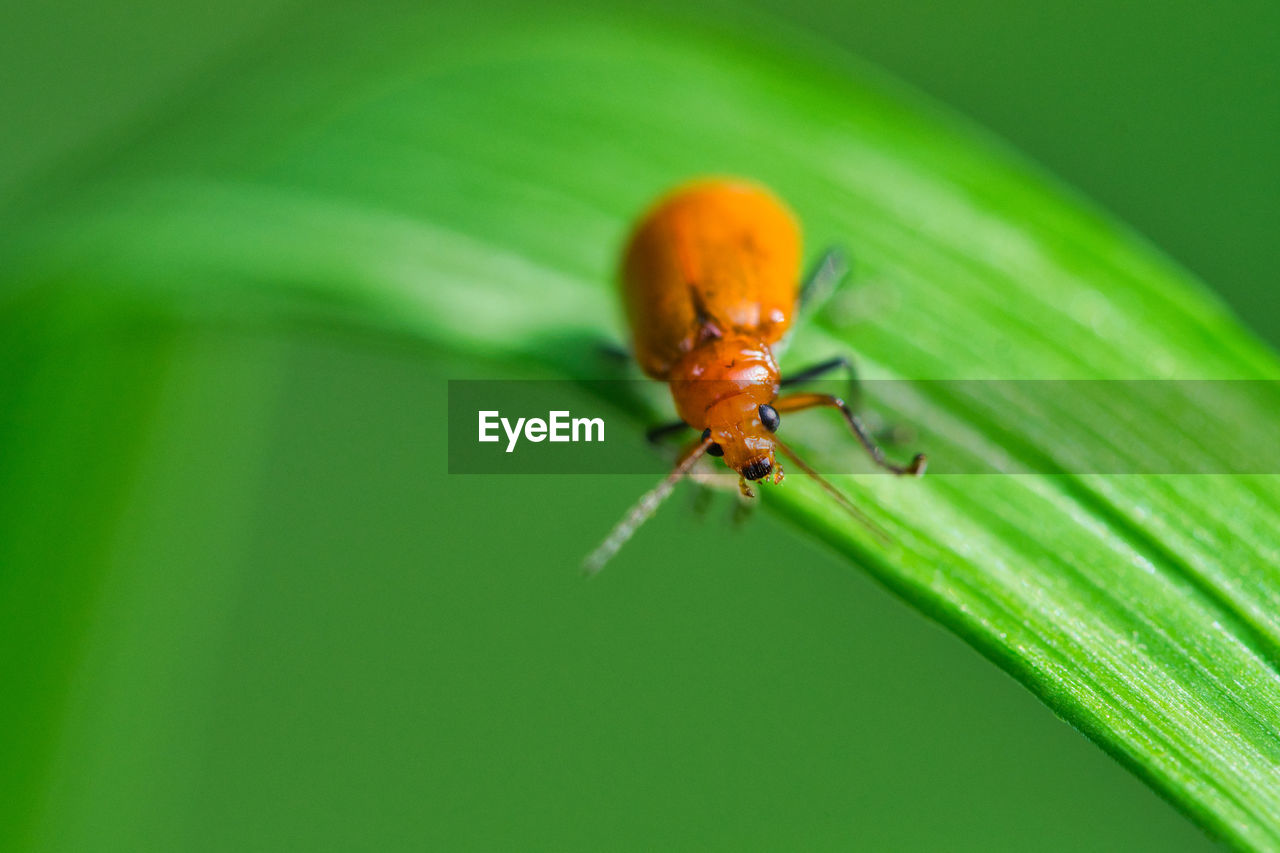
{"x":710,"y":283}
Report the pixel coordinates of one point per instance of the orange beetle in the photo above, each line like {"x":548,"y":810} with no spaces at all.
{"x":710,"y":281}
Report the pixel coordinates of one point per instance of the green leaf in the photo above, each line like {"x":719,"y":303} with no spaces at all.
{"x":466,"y":180}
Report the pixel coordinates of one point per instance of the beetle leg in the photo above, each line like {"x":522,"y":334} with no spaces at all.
{"x":823,"y":367}
{"x":658,"y":433}
{"x":889,"y":433}
{"x":613,"y":351}
{"x":718,"y":479}
{"x":800,"y":402}
{"x":701,"y":498}
{"x":817,"y":287}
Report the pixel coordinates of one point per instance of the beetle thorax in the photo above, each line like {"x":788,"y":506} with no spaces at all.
{"x":723,"y":380}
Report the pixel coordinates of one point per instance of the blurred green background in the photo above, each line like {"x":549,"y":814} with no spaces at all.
{"x":300,"y":633}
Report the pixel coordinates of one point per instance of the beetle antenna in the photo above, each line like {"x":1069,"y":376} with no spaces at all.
{"x":841,"y":498}
{"x":643,"y":508}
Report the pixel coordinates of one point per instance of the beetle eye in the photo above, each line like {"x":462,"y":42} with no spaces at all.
{"x":714,"y":449}
{"x":769,"y":417}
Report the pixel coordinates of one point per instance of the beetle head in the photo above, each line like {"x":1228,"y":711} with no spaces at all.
{"x":742,"y":430}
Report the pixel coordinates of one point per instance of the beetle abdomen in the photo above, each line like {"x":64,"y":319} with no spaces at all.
{"x":714,"y":258}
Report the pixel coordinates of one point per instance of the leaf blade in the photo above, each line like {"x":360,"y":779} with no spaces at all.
{"x":472,"y":195}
